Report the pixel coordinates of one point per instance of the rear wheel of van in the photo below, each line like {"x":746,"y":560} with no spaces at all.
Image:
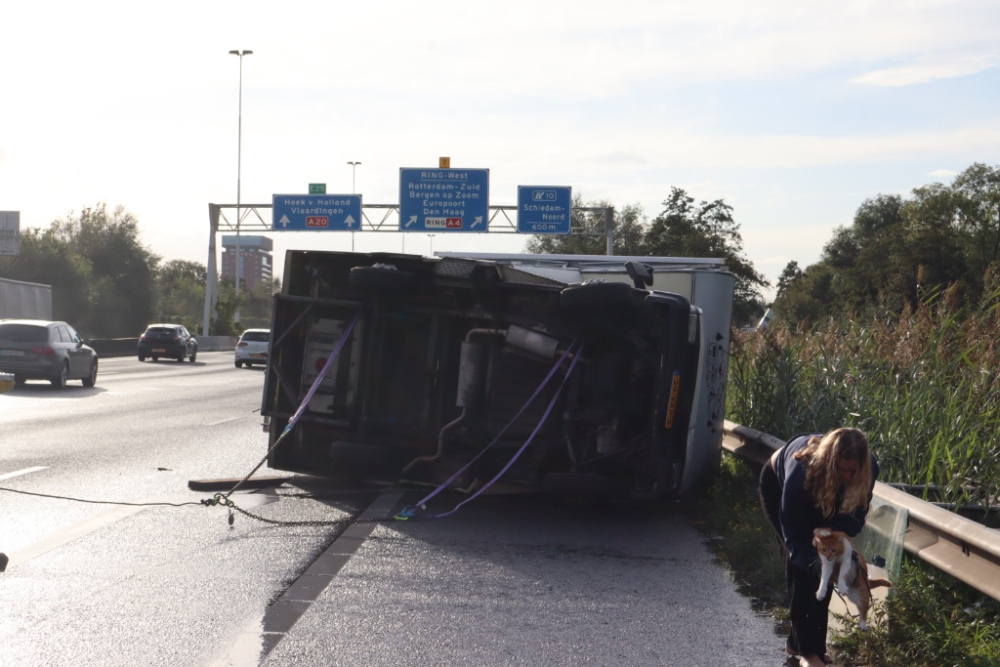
{"x":595,"y":295}
{"x":383,"y":278}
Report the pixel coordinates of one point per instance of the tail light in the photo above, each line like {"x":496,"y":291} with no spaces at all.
{"x":177,"y":337}
{"x":241,"y":344}
{"x":43,"y":349}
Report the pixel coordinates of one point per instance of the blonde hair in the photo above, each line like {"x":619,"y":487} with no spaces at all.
{"x":820,"y":458}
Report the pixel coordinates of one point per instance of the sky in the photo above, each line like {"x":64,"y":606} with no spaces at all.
{"x":793,"y":112}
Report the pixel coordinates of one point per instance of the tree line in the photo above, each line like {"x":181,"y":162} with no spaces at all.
{"x":684,"y":228}
{"x":108,"y":284}
{"x":900,"y":250}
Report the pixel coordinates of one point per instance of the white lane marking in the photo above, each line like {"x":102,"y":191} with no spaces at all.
{"x":105,"y":373}
{"x":223,"y":421}
{"x":71,"y":533}
{"x":18,"y":473}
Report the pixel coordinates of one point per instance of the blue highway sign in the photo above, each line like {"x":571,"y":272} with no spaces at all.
{"x":444,"y":200}
{"x":336,"y":213}
{"x":544,"y":209}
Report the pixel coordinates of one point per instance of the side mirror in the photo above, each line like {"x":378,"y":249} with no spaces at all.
{"x":641,"y":274}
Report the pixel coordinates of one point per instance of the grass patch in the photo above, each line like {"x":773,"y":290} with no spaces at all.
{"x":934,"y":620}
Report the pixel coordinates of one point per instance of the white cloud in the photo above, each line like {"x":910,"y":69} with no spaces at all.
{"x":929,"y":69}
{"x":942,"y":174}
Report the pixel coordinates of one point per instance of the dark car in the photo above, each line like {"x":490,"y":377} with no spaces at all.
{"x":171,"y":341}
{"x":44,"y":350}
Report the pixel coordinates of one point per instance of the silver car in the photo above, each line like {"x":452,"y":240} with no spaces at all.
{"x":43,"y":350}
{"x":253,"y":346}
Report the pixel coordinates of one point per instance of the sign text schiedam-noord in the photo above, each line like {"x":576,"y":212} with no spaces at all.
{"x":444,"y":200}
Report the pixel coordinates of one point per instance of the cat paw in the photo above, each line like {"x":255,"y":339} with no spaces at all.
{"x":820,"y":594}
{"x":862,"y":625}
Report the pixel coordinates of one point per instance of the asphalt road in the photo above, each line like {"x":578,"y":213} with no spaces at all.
{"x":508,"y":580}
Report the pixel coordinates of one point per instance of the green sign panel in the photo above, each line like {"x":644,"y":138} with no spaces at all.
{"x":317,"y":188}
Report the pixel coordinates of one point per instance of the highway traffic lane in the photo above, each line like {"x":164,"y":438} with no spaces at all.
{"x":162,"y":587}
{"x":146,"y":441}
{"x":524,"y":581}
{"x":515,"y":580}
{"x":124,"y":378}
{"x":452,"y":588}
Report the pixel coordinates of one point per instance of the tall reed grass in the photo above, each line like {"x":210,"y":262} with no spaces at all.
{"x":924,"y":385}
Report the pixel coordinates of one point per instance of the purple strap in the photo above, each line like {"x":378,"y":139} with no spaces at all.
{"x":520,"y":451}
{"x":408,"y":511}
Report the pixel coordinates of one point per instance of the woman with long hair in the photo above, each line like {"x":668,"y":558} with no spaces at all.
{"x":815,"y":481}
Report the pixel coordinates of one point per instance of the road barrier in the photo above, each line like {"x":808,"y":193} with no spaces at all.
{"x":126,"y":347}
{"x":966,"y":550}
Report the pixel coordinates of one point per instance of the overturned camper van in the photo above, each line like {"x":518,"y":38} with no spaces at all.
{"x":446,"y":353}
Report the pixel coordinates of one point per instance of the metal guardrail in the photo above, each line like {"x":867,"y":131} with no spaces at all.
{"x":961,"y":547}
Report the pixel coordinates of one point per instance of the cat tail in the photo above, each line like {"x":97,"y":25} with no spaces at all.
{"x":878,"y":583}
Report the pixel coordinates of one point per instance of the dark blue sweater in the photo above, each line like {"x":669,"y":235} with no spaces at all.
{"x":799,"y":514}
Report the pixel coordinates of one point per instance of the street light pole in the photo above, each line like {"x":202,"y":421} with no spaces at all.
{"x":354,"y":166}
{"x":239,"y":165}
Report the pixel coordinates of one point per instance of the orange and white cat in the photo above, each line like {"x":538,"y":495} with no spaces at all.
{"x":835,"y":553}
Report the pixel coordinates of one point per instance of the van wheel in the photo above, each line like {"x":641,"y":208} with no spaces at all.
{"x":381,"y":277}
{"x":142,"y":357}
{"x":595,"y":295}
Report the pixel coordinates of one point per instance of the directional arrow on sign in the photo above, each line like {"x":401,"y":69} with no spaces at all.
{"x":409,"y":222}
{"x":349,"y":221}
{"x":478,"y":220}
{"x":284,"y":221}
